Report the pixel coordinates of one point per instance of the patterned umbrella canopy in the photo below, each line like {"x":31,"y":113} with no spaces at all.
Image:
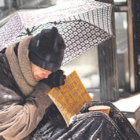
{"x":83,"y":25}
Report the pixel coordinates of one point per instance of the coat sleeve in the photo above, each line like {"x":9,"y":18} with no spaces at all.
{"x":18,"y":121}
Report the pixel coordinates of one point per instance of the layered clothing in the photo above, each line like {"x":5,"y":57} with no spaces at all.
{"x":23,"y":100}
{"x":26,"y":111}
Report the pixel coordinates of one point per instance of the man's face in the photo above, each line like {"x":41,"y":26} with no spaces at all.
{"x":39,"y":73}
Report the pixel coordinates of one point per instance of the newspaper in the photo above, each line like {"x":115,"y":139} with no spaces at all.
{"x":70,"y":97}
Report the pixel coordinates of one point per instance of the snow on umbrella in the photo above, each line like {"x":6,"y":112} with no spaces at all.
{"x":82,"y":25}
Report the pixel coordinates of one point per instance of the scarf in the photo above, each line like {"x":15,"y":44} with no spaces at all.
{"x":21,"y":66}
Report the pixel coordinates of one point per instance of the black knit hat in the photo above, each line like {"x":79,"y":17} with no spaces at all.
{"x":46,"y":49}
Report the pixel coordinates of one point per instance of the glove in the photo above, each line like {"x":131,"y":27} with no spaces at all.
{"x":55,"y":79}
{"x":85,"y":107}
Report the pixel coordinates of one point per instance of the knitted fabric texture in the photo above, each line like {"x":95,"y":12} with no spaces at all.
{"x":21,"y":66}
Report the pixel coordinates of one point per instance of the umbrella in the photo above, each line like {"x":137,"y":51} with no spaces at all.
{"x":82,"y":24}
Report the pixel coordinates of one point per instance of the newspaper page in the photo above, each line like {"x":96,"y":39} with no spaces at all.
{"x":70,"y":97}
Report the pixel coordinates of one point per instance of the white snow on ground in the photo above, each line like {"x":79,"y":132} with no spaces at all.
{"x":129,"y":104}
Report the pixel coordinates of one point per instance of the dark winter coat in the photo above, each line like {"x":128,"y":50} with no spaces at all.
{"x":86,"y":126}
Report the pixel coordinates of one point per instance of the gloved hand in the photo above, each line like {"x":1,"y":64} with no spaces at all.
{"x":55,"y":79}
{"x":85,"y":107}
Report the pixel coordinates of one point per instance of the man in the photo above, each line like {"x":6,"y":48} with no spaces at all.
{"x":24,"y":99}
{"x":28,"y":70}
